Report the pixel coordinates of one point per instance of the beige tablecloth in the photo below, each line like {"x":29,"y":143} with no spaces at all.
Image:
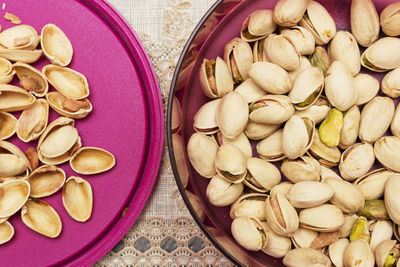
{"x":165,"y":234}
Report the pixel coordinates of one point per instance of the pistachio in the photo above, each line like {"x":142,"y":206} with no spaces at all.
{"x":347,"y":227}
{"x":297,"y":136}
{"x":249,"y":233}
{"x":277,"y":246}
{"x":279,"y":50}
{"x":351,"y":124}
{"x":307,"y":88}
{"x":271,"y":109}
{"x":367,"y":87}
{"x":222,"y":193}
{"x":258,"y":50}
{"x":303,"y":237}
{"x":304,"y":64}
{"x":240,"y":142}
{"x":390,"y":19}
{"x":261,"y":175}
{"x":258,"y":25}
{"x":385,"y":150}
{"x":239,"y":57}
{"x":270,"y":148}
{"x":326,"y":173}
{"x":301,"y":38}
{"x":395,"y":125}
{"x":230,"y":163}
{"x":374,"y":210}
{"x":360,"y":230}
{"x":309,"y":194}
{"x":392,"y":196}
{"x":14,"y":98}
{"x":320,"y":59}
{"x":344,"y":47}
{"x":202,"y":151}
{"x":336,"y":251}
{"x":382,"y":230}
{"x":330,"y":129}
{"x":391,"y":83}
{"x":376,"y":117}
{"x":358,"y":253}
{"x":364,"y":22}
{"x":340,"y":86}
{"x":372,"y":184}
{"x":282,"y":188}
{"x":250,"y":91}
{"x":31,"y":79}
{"x":252,"y":205}
{"x":305,"y":257}
{"x":204,"y":120}
{"x":288,"y":13}
{"x":215,"y":79}
{"x":281,"y":215}
{"x":387,"y":254}
{"x":356,"y":161}
{"x":328,"y":156}
{"x":381,"y":56}
{"x":258,"y":131}
{"x":301,"y":169}
{"x":323,"y":218}
{"x":270,"y":77}
{"x":317,"y":112}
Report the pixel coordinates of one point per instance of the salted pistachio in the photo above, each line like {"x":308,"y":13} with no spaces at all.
{"x":319,"y":22}
{"x":323,"y":218}
{"x":20,"y":37}
{"x":360,"y":230}
{"x":374,"y":210}
{"x":79,"y":109}
{"x":387,"y":254}
{"x":309,"y":194}
{"x":336,"y":251}
{"x":381,"y":56}
{"x":301,"y":169}
{"x":14,"y":98}
{"x":24,"y":56}
{"x":67,"y":81}
{"x":282,"y":188}
{"x":381,"y":231}
{"x":239,"y":57}
{"x":240,"y":142}
{"x":179,"y":155}
{"x":270,"y":77}
{"x":46,"y":180}
{"x":301,"y":38}
{"x":297,"y":136}
{"x":358,"y":253}
{"x":390,"y":19}
{"x":222,"y":193}
{"x":56,"y":45}
{"x":252,"y":205}
{"x":307,"y":88}
{"x":385,"y":149}
{"x":58,"y":142}
{"x":288,"y":13}
{"x":202,"y":150}
{"x":8,"y":125}
{"x":376,"y":117}
{"x":41,"y":217}
{"x":15,"y":164}
{"x":372,"y":184}
{"x":351,"y":125}
{"x":281,"y":51}
{"x":392,"y":197}
{"x":340,"y":86}
{"x":364,"y":22}
{"x":230,"y":163}
{"x":31,"y":79}
{"x":303,"y":237}
{"x":259,"y":131}
{"x":304,"y":64}
{"x":395,"y":124}
{"x":14,"y":195}
{"x":320,"y":59}
{"x":277,"y":246}
{"x":317,"y":112}
{"x":344,"y":47}
{"x":196,"y":204}
{"x":281,"y":215}
{"x":347,"y":227}
{"x":391,"y":83}
{"x":6,"y":232}
{"x":77,"y":198}
{"x":305,"y":257}
{"x":270,"y":148}
{"x":258,"y":50}
{"x":249,"y":233}
{"x":91,"y":160}
{"x":367,"y":87}
{"x":232,"y":115}
{"x":33,"y":121}
{"x":271,"y":109}
{"x":356,"y":161}
{"x":215,"y":78}
{"x":204,"y":120}
{"x":262,"y":175}
{"x":258,"y":25}
{"x":326,"y":173}
{"x":346,"y":196}
{"x":250,"y":91}
{"x":6,"y":71}
{"x":328,"y":156}
{"x":331,"y":127}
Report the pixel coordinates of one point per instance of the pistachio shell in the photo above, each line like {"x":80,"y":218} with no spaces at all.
{"x":258,"y":131}
{"x":282,"y":188}
{"x":77,"y":198}
{"x":258,"y":25}
{"x":323,"y":218}
{"x":347,"y":227}
{"x":391,"y":83}
{"x":179,"y":154}
{"x":215,"y":79}
{"x":13,"y":98}
{"x":367,"y":87}
{"x":281,"y":215}
{"x":258,"y":50}
{"x":270,"y":148}
{"x":356,"y":161}
{"x":309,"y":194}
{"x":230,"y":163}
{"x":358,"y":253}
{"x":277,"y":246}
{"x":364,"y":22}
{"x":381,"y":56}
{"x":11,"y":165}
{"x":240,"y":142}
{"x":317,"y":112}
{"x":288,"y":13}
{"x":67,"y":81}
{"x":330,"y":128}
{"x":6,"y":71}
{"x":271,"y":109}
{"x":6,"y":232}
{"x":385,"y":150}
{"x":262,"y":176}
{"x":91,"y":160}
{"x":13,"y":196}
{"x":75,"y":109}
{"x":383,"y":251}
{"x":344,"y":47}
{"x":336,"y":251}
{"x":351,"y":125}
{"x":270,"y":77}
{"x":8,"y":125}
{"x":326,"y":173}
{"x":301,"y":169}
{"x":24,"y":56}
{"x":41,"y":217}
{"x":33,"y":121}
{"x":372,"y":184}
{"x":304,"y":64}
{"x":383,"y":230}
{"x":320,"y":59}
{"x":250,"y":91}
{"x":222,"y":193}
{"x":56,"y":45}
{"x":305,"y":257}
{"x":282,"y":52}
{"x":301,"y":38}
{"x":328,"y":156}
{"x":20,"y":37}
{"x":31,"y":79}
{"x":252,"y":205}
{"x":239,"y":57}
{"x":390,"y":19}
{"x":303,"y":237}
{"x":249,"y":233}
{"x":9,"y":148}
{"x":392,"y":197}
{"x":46,"y":180}
{"x":204,"y":120}
{"x":202,"y":151}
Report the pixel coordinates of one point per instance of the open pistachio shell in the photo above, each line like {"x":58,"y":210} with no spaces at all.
{"x":344,"y":47}
{"x":385,"y":150}
{"x":358,"y":253}
{"x":301,"y":169}
{"x":33,"y":121}
{"x":390,"y":19}
{"x":381,"y":56}
{"x":215,"y":78}
{"x":14,"y":195}
{"x":46,"y":180}
{"x":222,"y":193}
{"x":257,"y":25}
{"x":249,"y":233}
{"x":277,"y":246}
{"x":24,"y":56}
{"x":67,"y":81}
{"x":356,"y":161}
{"x":391,"y":83}
{"x":261,"y":175}
{"x":317,"y":112}
{"x":351,"y":124}
{"x":31,"y":79}
{"x":387,"y":253}
{"x":303,"y":237}
{"x":10,"y":148}
{"x":75,"y":109}
{"x":301,"y":38}
{"x":77,"y":198}
{"x":238,"y":56}
{"x":6,"y":232}
{"x":372,"y":184}
{"x":309,"y":194}
{"x":252,"y":204}
{"x":305,"y":257}
{"x":367,"y":87}
{"x":230,"y":163}
{"x":364,"y":22}
{"x":14,"y":164}
{"x":56,"y":45}
{"x":8,"y":125}
{"x":250,"y":91}
{"x":259,"y":131}
{"x":13,"y":98}
{"x":281,"y":215}
{"x":279,"y":50}
{"x":382,"y":230}
{"x":323,"y":218}
{"x":288,"y":13}
{"x":41,"y":217}
{"x":91,"y":160}
{"x":270,"y":148}
{"x":331,"y":127}
{"x":270,"y":77}
{"x":6,"y":71}
{"x":202,"y":150}
{"x":271,"y":109}
{"x":20,"y":37}
{"x":204,"y":120}
{"x":336,"y":251}
{"x":392,"y":197}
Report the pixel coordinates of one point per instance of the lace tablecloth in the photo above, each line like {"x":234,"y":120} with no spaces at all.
{"x":165,"y":234}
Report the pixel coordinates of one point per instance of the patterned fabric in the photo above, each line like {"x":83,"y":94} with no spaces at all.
{"x":165,"y":234}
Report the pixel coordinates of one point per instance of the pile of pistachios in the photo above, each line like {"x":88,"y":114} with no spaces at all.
{"x":313,"y":119}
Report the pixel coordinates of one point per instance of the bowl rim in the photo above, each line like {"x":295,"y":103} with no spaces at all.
{"x":171,"y":95}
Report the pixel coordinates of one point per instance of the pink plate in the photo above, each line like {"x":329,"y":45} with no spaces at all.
{"x":127,"y":120}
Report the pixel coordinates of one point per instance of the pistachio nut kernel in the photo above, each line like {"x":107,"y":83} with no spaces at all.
{"x":258,"y":25}
{"x":385,"y":150}
{"x":321,"y":59}
{"x":390,"y":19}
{"x":270,"y":77}
{"x":301,"y":169}
{"x":364,"y":22}
{"x":391,"y":83}
{"x":375,"y":210}
{"x":360,"y":230}
{"x":215,"y":79}
{"x":239,"y":57}
{"x":271,"y":109}
{"x":351,"y":124}
{"x":249,"y":233}
{"x":392,"y":197}
{"x":222,"y":193}
{"x":304,"y":257}
{"x":328,"y":156}
{"x":395,"y":125}
{"x":381,"y":56}
{"x":358,"y":253}
{"x":288,"y":13}
{"x":262,"y":175}
{"x":387,"y":253}
{"x":279,"y":50}
{"x":372,"y":184}
{"x":270,"y":148}
{"x":202,"y":151}
{"x":230,"y":163}
{"x":367,"y":87}
{"x":356,"y":161}
{"x":330,"y":129}
{"x":281,"y":215}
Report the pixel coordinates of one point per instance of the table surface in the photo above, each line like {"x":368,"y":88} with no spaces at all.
{"x":165,"y":233}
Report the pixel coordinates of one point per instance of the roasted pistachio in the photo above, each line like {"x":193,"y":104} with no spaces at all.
{"x":303,"y":237}
{"x":297,"y":136}
{"x":380,"y":231}
{"x":222,"y":193}
{"x":344,"y":47}
{"x":328,"y":156}
{"x":270,"y":77}
{"x":317,"y":112}
{"x":305,"y":257}
{"x":381,"y":56}
{"x":301,"y":38}
{"x":258,"y":25}
{"x":372,"y":184}
{"x":277,"y":246}
{"x":323,"y":218}
{"x":270,"y":148}
{"x":392,"y":197}
{"x":258,"y":131}
{"x":367,"y":87}
{"x":250,"y":91}
{"x":320,"y":59}
{"x":358,"y":253}
{"x":204,"y":120}
{"x":390,"y":19}
{"x":309,"y":194}
{"x":239,"y":57}
{"x":391,"y":83}
{"x":387,"y":253}
{"x":385,"y":150}
{"x":202,"y":151}
{"x":356,"y":161}
{"x":288,"y":13}
{"x":364,"y":22}
{"x":281,"y":215}
{"x":279,"y":50}
{"x":282,"y":188}
{"x":215,"y":79}
{"x":351,"y":124}
{"x":271,"y":109}
{"x":261,"y":175}
{"x":252,"y":205}
{"x":336,"y":251}
{"x":301,"y":169}
{"x":230,"y":163}
{"x":249,"y":233}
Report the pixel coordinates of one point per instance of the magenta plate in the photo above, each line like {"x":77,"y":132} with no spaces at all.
{"x":127,"y":120}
